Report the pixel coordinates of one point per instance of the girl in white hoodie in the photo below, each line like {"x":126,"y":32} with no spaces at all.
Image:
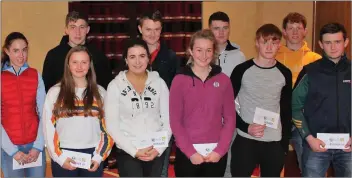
{"x":137,"y":114}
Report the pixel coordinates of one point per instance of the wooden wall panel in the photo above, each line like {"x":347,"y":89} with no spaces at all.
{"x":331,"y":11}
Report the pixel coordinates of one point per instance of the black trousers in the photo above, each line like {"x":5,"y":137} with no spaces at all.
{"x":129,"y":166}
{"x":185,"y":168}
{"x":247,"y":153}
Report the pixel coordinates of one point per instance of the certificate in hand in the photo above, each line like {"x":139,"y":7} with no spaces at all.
{"x":205,"y":149}
{"x":334,"y":140}
{"x":83,"y":160}
{"x":155,"y":139}
{"x":265,"y":117}
{"x":16,"y":165}
{"x":160,"y":139}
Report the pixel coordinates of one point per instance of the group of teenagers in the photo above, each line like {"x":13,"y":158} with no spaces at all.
{"x":209,"y":105}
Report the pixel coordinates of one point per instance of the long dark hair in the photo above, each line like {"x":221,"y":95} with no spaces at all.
{"x":66,"y":104}
{"x":132,"y":42}
{"x":8,"y":41}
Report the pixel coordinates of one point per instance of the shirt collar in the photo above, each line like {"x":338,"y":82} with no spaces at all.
{"x":9,"y":67}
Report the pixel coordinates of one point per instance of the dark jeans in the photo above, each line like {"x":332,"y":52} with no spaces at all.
{"x":129,"y":166}
{"x":247,"y":153}
{"x":58,"y":171}
{"x":296,"y":141}
{"x":185,"y":168}
{"x":316,"y":164}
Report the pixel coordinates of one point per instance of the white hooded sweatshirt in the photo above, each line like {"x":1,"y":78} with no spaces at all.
{"x":130,"y":116}
{"x":230,"y":58}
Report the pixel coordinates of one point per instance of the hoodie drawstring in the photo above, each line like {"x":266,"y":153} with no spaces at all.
{"x":193,"y":81}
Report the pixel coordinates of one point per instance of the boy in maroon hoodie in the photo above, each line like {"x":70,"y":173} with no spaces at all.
{"x":200,"y":96}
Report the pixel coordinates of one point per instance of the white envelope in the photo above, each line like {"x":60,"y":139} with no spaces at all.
{"x":142,"y":142}
{"x":83,"y":160}
{"x":155,"y":139}
{"x":160,"y":139}
{"x":16,"y":165}
{"x":270,"y":119}
{"x":205,"y":149}
{"x":334,"y":140}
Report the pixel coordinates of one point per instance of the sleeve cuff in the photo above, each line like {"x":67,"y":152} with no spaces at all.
{"x":40,"y":150}
{"x":190,"y":152}
{"x":61,"y":159}
{"x":13,"y":154}
{"x":305,"y":134}
{"x":219,"y":151}
{"x":160,"y":150}
{"x":97,"y":158}
{"x":132,"y":152}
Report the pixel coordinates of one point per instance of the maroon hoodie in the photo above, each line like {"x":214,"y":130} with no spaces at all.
{"x":197,"y":109}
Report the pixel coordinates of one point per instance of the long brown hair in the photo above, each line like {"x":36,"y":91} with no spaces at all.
{"x":67,"y":102}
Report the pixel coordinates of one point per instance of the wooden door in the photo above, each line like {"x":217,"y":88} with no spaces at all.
{"x":331,"y":11}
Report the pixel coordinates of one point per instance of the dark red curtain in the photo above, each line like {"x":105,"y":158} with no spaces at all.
{"x":113,"y":22}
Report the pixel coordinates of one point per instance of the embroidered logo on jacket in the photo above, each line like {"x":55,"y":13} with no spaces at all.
{"x":216,"y":84}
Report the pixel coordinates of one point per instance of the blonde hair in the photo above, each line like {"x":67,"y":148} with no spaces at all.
{"x":202,"y":34}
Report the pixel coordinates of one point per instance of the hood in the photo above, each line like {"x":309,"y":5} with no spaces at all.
{"x":231,"y":46}
{"x":304,"y":49}
{"x":152,"y":75}
{"x":187,"y":70}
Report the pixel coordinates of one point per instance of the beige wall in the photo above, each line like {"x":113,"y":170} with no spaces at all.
{"x":41,"y":22}
{"x":247,"y":17}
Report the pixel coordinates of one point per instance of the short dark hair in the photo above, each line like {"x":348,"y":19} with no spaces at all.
{"x":267,"y":30}
{"x":73,"y":16}
{"x":332,"y":28}
{"x":294,"y":17}
{"x":218,"y":16}
{"x":155,"y":16}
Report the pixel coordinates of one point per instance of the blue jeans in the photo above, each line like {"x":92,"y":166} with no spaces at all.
{"x":7,"y":161}
{"x":316,"y":164}
{"x":296,"y":141}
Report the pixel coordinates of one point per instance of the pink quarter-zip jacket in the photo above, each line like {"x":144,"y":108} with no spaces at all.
{"x":202,"y":112}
